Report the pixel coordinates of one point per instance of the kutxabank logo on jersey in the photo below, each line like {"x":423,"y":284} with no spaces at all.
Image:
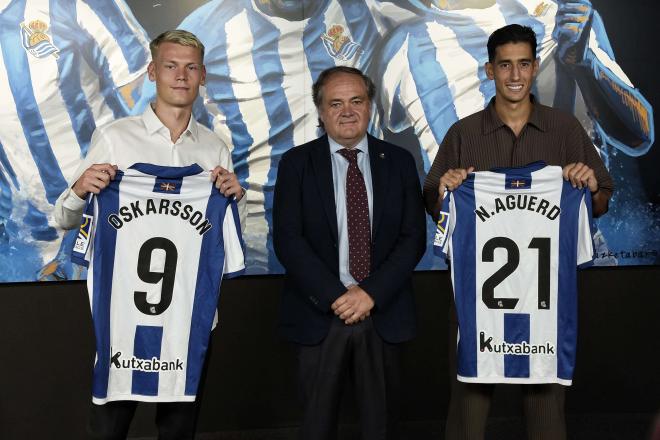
{"x":517,"y":349}
{"x":36,"y":41}
{"x":147,"y":365}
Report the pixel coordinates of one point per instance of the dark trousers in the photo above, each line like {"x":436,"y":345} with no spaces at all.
{"x":543,"y":404}
{"x":174,"y":420}
{"x":353,"y":354}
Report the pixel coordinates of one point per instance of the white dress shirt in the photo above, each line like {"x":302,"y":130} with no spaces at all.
{"x":339,"y":171}
{"x":144,"y":138}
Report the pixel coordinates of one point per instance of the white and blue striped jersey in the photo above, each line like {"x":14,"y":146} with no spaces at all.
{"x":61,"y":64}
{"x":158,"y":241}
{"x":260,"y":70}
{"x":515,"y":237}
{"x":433,"y":73}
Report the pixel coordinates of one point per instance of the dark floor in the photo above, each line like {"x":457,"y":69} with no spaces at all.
{"x":583,"y":427}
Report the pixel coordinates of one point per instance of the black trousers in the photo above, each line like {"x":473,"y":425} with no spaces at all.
{"x":174,"y":420}
{"x":543,"y":404}
{"x":353,"y":354}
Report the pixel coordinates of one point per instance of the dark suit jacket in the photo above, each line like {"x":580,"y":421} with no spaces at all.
{"x":306,"y":241}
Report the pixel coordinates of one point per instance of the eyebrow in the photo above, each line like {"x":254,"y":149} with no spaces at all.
{"x":350,"y":99}
{"x":511,"y":61}
{"x":182,"y":62}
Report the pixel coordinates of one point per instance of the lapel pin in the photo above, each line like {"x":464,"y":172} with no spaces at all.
{"x":382,"y":155}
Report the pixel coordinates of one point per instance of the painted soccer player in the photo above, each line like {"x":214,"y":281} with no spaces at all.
{"x":434,"y":69}
{"x":433,"y":73}
{"x":165,"y":134}
{"x":514,"y":130}
{"x":67,"y":68}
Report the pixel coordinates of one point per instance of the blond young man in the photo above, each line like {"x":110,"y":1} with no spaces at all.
{"x":166,"y":134}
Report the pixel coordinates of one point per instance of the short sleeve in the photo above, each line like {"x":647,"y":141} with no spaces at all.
{"x":585,"y":244}
{"x":84,"y":244}
{"x":233,"y":243}
{"x":444,"y":227}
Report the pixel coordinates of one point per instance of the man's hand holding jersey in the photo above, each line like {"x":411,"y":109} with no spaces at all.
{"x":227,"y":183}
{"x":94,"y":179}
{"x":581,"y":176}
{"x":452,"y":179}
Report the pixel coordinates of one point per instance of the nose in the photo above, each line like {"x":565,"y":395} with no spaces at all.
{"x":515,"y":72}
{"x":347,"y":110}
{"x":181,"y":73}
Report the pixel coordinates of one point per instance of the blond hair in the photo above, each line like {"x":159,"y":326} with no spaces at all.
{"x":177,"y":36}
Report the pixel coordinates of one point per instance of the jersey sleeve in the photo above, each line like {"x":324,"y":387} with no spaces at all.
{"x":83,"y":246}
{"x":585,"y":243}
{"x":444,"y":227}
{"x":233,"y":242}
{"x":120,"y":42}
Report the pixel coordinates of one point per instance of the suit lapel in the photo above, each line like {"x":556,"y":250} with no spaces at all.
{"x":379,"y":179}
{"x":323,"y":172}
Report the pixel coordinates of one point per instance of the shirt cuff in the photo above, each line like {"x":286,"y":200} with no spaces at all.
{"x":72,"y":202}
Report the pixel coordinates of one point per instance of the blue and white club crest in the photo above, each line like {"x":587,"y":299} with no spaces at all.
{"x":338,"y":45}
{"x":36,"y":41}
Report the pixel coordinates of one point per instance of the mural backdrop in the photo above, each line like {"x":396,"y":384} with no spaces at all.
{"x":68,"y":66}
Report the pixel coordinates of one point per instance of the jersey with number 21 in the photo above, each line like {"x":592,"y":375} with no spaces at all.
{"x":515,"y":237}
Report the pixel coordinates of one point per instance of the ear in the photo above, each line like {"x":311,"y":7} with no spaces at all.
{"x":489,"y":70}
{"x":321,"y":117}
{"x":203,"y":82}
{"x":151,"y":71}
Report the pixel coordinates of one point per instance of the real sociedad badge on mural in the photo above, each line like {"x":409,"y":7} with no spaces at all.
{"x":36,"y":41}
{"x":338,"y":45}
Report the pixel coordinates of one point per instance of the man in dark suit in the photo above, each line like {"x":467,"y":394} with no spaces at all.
{"x":349,"y":229}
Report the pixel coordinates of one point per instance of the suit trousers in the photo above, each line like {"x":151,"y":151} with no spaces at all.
{"x":174,"y":420}
{"x":469,"y":404}
{"x":353,"y":355}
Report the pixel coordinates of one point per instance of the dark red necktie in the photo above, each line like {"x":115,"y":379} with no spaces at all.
{"x":357,"y":216}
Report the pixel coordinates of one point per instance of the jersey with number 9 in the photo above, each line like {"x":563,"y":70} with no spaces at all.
{"x":158,"y":241}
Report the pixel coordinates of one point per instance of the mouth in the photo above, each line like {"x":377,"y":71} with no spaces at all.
{"x":514,"y":87}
